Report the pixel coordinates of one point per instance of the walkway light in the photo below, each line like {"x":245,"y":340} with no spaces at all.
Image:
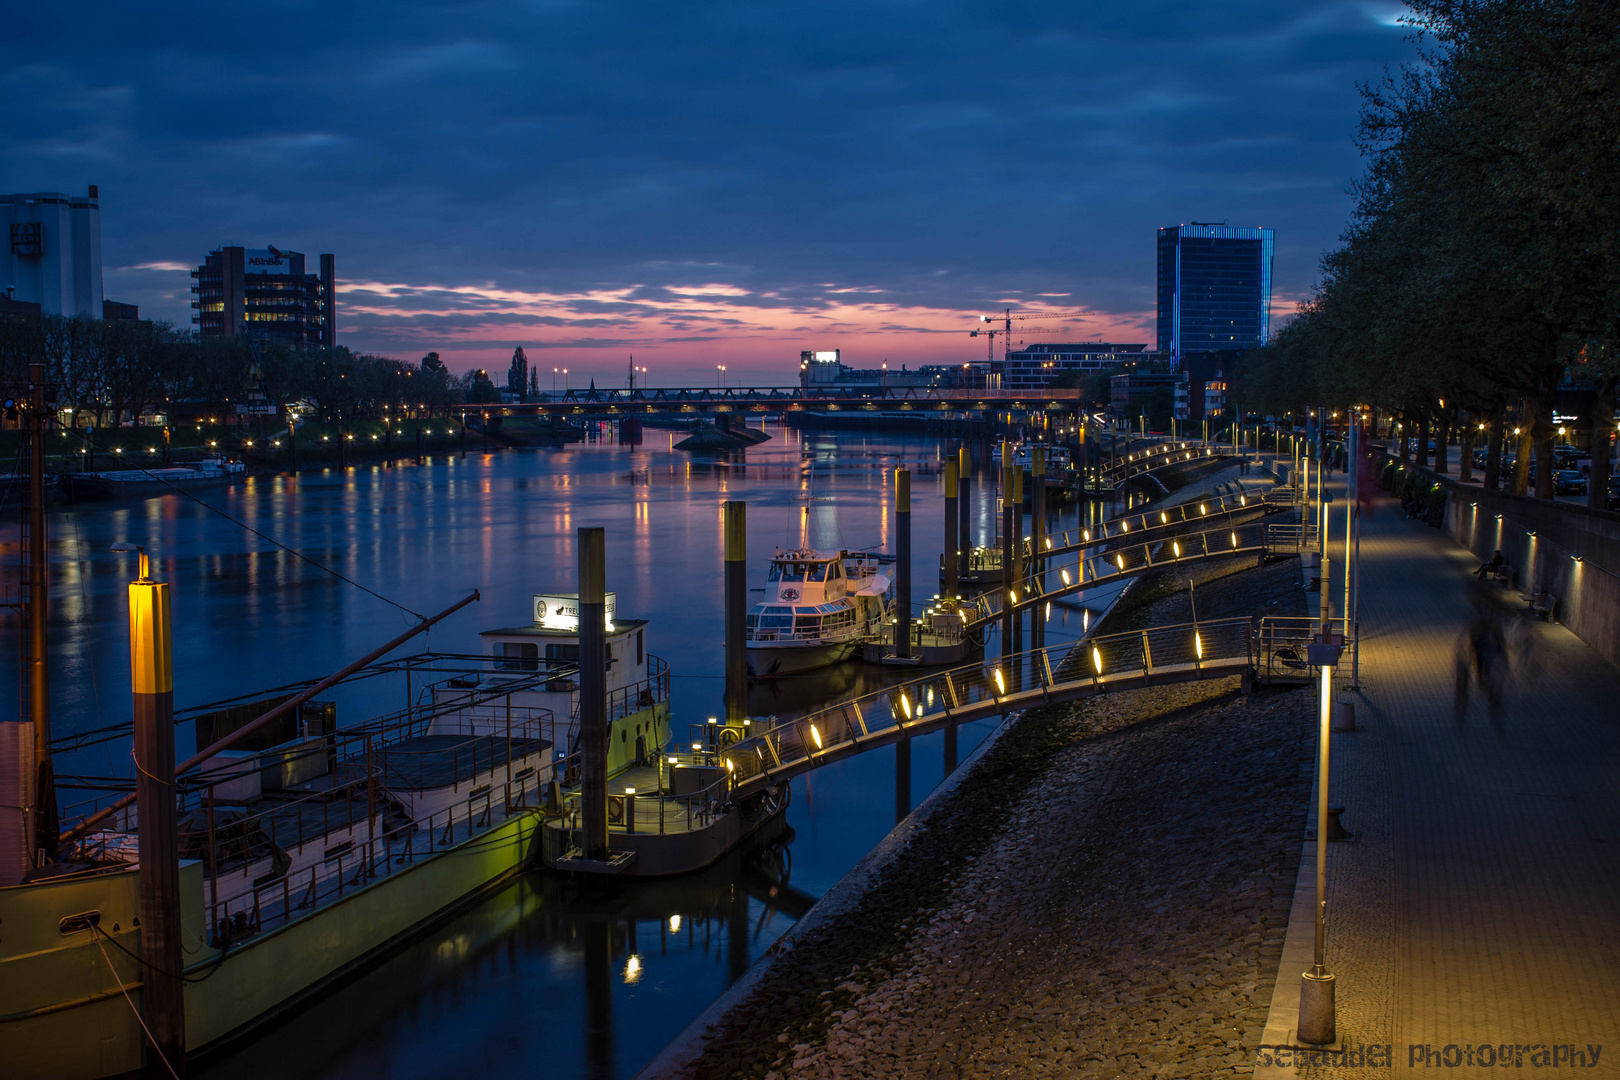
{"x":816,"y":735}
{"x":1096,"y":660}
{"x":1065,"y":576}
{"x":1164,"y":518}
{"x":1124,"y":526}
{"x":1198,"y":645}
{"x":905,"y":705}
{"x":1176,"y":547}
{"x":1202,"y":509}
{"x":1120,"y":560}
{"x":1001,"y":684}
{"x":1087,"y":534}
{"x":1234,"y":539}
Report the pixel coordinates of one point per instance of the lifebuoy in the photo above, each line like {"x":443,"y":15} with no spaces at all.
{"x":730,"y":736}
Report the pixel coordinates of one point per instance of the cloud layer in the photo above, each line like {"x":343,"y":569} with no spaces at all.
{"x":695,"y":184}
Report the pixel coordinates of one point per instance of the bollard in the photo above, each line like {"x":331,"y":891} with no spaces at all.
{"x":593,"y":725}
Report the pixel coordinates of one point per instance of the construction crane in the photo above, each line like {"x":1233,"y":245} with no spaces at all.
{"x":1007,"y":317}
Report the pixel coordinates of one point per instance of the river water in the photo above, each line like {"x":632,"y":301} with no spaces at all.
{"x":543,"y":975}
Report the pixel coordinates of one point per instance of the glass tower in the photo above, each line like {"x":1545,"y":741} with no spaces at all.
{"x":1214,"y":289}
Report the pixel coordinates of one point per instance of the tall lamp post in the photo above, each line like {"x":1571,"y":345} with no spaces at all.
{"x":1316,"y":991}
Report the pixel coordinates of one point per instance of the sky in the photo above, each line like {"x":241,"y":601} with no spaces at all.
{"x":698,"y":184}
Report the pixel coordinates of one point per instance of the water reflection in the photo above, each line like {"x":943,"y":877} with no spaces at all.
{"x":545,"y":976}
{"x":507,"y":984}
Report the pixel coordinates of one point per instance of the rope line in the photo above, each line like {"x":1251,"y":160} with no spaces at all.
{"x":138,"y":1017}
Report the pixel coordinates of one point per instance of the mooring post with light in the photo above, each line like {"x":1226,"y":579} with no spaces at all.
{"x":151,"y":671}
{"x":736,"y":528}
{"x":952,"y":555}
{"x":1008,"y":527}
{"x":1316,"y":992}
{"x":1016,"y":483}
{"x":1037,"y":538}
{"x":964,"y":507}
{"x":902,"y":563}
{"x":593,"y":726}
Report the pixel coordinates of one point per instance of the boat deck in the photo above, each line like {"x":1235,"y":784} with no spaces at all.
{"x":653,"y":812}
{"x":435,"y":761}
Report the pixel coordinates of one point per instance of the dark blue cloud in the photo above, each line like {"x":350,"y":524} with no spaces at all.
{"x":948,"y":154}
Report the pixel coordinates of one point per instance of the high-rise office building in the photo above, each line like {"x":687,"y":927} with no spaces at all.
{"x":53,"y":254}
{"x":1214,"y":298}
{"x":264,"y":292}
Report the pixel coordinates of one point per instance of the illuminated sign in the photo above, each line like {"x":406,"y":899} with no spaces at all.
{"x":266,"y":261}
{"x":560,"y":611}
{"x":27,"y":238}
{"x":826,"y":357}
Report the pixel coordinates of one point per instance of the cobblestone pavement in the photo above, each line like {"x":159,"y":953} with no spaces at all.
{"x":1479,"y":904}
{"x":1106,"y":896}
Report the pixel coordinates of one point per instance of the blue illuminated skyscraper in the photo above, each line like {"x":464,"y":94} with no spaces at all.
{"x":1214,"y":290}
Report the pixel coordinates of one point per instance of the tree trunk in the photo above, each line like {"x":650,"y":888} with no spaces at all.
{"x":1597,"y":485}
{"x":1444,"y":442}
{"x":1525,"y":446}
{"x":1465,"y":446}
{"x":1423,"y":438}
{"x":1493,"y":454}
{"x":1404,"y":434}
{"x":1543,"y":432}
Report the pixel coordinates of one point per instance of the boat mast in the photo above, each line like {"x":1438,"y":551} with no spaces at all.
{"x":35,"y":580}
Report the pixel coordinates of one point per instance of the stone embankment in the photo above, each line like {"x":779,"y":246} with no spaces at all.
{"x":1106,"y":894}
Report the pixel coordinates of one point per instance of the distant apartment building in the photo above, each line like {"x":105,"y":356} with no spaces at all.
{"x":1214,"y":301}
{"x":826,"y":370}
{"x":53,"y":254}
{"x":1035,"y":366}
{"x":265,"y":293}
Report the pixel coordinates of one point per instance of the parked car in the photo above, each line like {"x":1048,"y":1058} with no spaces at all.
{"x":1569,"y":482}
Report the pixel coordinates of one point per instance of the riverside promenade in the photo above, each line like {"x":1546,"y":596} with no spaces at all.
{"x":1474,"y":921}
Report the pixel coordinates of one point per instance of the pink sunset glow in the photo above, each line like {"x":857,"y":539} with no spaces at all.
{"x":681,"y":333}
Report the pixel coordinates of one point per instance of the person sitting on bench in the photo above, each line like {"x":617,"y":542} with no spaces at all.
{"x":1492,"y":567}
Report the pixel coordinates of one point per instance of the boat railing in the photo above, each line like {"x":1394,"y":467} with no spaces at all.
{"x":659,"y":811}
{"x":626,"y":700}
{"x":357,"y":862}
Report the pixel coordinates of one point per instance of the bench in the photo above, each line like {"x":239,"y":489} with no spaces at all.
{"x":1543,"y":605}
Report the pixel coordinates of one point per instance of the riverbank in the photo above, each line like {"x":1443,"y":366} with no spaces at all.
{"x":1104,"y":892}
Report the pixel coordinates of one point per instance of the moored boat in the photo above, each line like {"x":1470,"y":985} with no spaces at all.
{"x":820,"y":608}
{"x":140,"y":483}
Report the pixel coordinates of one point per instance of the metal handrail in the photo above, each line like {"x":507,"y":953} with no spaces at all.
{"x":1221,"y":646}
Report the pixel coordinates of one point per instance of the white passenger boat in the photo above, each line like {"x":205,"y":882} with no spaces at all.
{"x":820,"y":607}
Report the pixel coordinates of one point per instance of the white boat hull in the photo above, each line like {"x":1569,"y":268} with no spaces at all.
{"x":771,"y":662}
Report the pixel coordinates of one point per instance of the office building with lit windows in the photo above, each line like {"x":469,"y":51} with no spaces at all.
{"x":265,"y":293}
{"x":1035,"y":366}
{"x":1214,"y":300}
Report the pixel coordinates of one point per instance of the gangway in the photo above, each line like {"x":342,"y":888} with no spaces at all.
{"x":1123,"y":562}
{"x":1185,"y":652}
